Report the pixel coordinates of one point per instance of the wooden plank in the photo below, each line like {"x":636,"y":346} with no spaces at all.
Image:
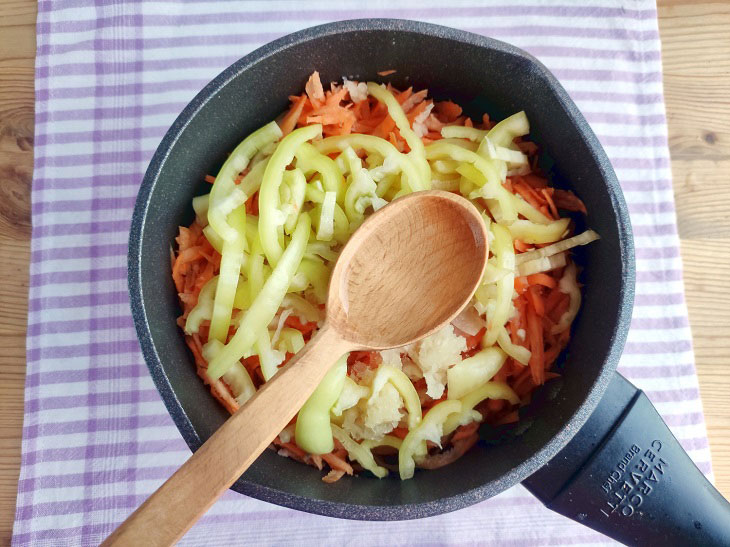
{"x":696,"y":58}
{"x":17,"y":56}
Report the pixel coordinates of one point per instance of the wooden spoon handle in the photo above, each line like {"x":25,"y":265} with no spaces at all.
{"x":176,"y":505}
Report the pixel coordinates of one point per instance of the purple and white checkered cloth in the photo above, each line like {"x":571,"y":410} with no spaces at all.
{"x":111,"y":77}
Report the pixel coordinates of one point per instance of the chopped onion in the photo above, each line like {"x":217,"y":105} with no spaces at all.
{"x":327,"y":219}
{"x":543,"y":264}
{"x":468,"y":321}
{"x":581,"y":239}
{"x":447,"y":185}
{"x":513,"y":157}
{"x":283,"y":316}
{"x":530,"y":232}
{"x":200,"y":206}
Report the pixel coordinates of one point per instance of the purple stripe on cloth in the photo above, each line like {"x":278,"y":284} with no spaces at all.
{"x":644,"y":185}
{"x":94,"y":349}
{"x":122,"y":90}
{"x":115,"y":322}
{"x":674,"y":346}
{"x":85,"y":114}
{"x":98,"y":400}
{"x":658,"y":276}
{"x":649,"y":253}
{"x":640,"y":163}
{"x":649,"y":230}
{"x":79,"y":276}
{"x":79,"y":301}
{"x":92,"y":251}
{"x":118,"y":425}
{"x":81,"y":205}
{"x":659,"y":323}
{"x":80,"y":506}
{"x":658,"y":299}
{"x":633,"y":98}
{"x":127,"y":180}
{"x":71,"y":160}
{"x":101,"y":477}
{"x":81,"y":228}
{"x":674,"y":395}
{"x":690,"y":418}
{"x":651,"y":207}
{"x":104,"y":451}
{"x":658,"y":371}
{"x":90,"y":374}
{"x":100,"y":135}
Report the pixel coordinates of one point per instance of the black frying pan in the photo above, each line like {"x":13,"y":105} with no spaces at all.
{"x":590,"y":445}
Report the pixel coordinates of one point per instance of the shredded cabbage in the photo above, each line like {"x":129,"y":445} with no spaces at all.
{"x":359,"y":452}
{"x":568,"y":285}
{"x":350,"y":395}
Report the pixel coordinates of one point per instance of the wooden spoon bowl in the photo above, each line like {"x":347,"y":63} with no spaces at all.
{"x":403,"y":274}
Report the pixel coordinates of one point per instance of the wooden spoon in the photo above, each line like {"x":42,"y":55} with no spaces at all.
{"x":404,"y":274}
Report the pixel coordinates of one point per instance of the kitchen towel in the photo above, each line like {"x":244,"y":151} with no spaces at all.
{"x":111,"y":77}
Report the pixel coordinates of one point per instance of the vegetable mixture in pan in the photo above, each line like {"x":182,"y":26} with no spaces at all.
{"x":252,"y":273}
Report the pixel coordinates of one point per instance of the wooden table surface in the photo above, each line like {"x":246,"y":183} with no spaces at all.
{"x":696,"y":55}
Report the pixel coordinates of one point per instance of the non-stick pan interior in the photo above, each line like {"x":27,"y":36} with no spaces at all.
{"x":471,"y":70}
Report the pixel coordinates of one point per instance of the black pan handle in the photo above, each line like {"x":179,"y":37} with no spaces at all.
{"x":625,"y":475}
